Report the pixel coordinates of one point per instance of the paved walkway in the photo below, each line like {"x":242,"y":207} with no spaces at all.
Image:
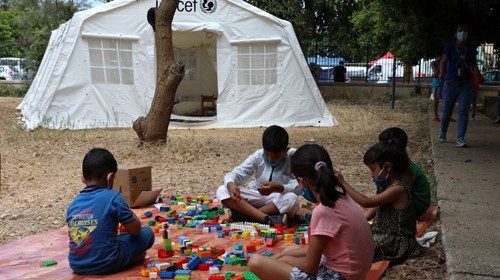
{"x":469,"y":195}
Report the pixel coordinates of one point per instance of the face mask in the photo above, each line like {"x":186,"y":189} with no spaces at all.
{"x":307,"y":194}
{"x":462,"y":35}
{"x":273,"y":164}
{"x":381,"y":183}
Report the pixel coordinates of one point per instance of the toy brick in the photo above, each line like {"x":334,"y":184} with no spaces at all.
{"x":216,"y":277}
{"x":167,"y":274}
{"x":182,"y":272}
{"x":203,"y":266}
{"x":249,"y":275}
{"x":145,"y":272}
{"x":193,"y":263}
{"x":250,"y":248}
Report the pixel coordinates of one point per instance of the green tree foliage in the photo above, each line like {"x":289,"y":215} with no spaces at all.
{"x":316,"y":21}
{"x":415,"y":29}
{"x":7,"y":34}
{"x":26,"y":25}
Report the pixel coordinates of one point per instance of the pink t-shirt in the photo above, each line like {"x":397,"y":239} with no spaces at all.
{"x":350,"y":248}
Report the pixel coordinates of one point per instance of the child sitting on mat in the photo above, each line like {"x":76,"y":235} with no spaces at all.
{"x":93,"y":217}
{"x":271,"y":194}
{"x":394,"y":225}
{"x":419,"y":185}
{"x":340,"y":241}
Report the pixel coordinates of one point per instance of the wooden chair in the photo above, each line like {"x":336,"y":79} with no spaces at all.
{"x":208,"y":103}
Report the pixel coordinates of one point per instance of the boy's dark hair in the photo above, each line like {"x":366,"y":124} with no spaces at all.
{"x":395,"y":133}
{"x":303,"y":163}
{"x":389,"y":151}
{"x":98,"y":162}
{"x":275,"y":139}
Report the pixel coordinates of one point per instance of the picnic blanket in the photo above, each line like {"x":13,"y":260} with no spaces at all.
{"x":21,"y":259}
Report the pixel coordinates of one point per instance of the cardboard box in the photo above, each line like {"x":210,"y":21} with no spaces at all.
{"x":134,"y":183}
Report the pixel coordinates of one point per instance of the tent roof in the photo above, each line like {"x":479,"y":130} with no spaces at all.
{"x":386,"y":55}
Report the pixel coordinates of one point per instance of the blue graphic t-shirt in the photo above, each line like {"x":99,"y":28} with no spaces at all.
{"x":459,"y":57}
{"x":92,"y":220}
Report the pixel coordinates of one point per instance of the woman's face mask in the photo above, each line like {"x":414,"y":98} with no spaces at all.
{"x":462,"y":35}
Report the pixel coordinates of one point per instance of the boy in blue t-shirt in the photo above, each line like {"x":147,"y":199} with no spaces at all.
{"x":93,"y":217}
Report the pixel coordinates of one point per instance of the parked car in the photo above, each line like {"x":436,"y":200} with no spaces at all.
{"x":491,"y":77}
{"x":6,"y":73}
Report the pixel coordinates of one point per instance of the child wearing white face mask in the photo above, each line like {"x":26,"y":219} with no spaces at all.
{"x":272,"y":195}
{"x":394,"y":225}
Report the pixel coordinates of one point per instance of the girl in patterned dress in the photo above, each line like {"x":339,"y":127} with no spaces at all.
{"x":394,"y":223}
{"x":340,"y":241}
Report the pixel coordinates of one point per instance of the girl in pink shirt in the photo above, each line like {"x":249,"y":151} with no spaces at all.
{"x":340,"y":241}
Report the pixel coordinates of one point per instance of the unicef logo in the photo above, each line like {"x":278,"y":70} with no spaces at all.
{"x":208,"y":6}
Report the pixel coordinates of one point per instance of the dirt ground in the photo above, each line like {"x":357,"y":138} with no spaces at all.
{"x":41,"y":169}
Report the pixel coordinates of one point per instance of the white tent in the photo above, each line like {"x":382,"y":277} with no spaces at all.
{"x":99,"y":69}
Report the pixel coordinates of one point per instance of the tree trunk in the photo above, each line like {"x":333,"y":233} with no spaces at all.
{"x":408,"y":73}
{"x":153,"y":128}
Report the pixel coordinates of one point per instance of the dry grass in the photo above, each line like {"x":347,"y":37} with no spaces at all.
{"x":40,"y":172}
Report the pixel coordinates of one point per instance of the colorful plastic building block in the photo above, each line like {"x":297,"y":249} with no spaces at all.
{"x":167,"y":274}
{"x":194,"y":262}
{"x":49,"y":263}
{"x":216,"y":277}
{"x":182,"y":272}
{"x":249,"y":275}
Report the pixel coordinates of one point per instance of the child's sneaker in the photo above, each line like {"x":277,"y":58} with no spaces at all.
{"x":436,"y":119}
{"x":280,"y":219}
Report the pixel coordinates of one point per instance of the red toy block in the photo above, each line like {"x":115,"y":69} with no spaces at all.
{"x":250,"y":248}
{"x":203,"y":266}
{"x":238,"y":277}
{"x":216,"y":277}
{"x":179,"y":263}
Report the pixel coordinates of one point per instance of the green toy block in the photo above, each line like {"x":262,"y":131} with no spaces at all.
{"x":250,"y":276}
{"x":229,"y":275}
{"x":49,"y":263}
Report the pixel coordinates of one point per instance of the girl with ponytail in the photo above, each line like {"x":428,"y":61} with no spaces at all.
{"x":340,"y":241}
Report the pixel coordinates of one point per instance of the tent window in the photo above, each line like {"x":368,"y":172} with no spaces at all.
{"x":188,"y":58}
{"x":111,"y":61}
{"x":257,"y":64}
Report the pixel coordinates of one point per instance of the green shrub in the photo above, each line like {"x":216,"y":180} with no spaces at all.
{"x":13,"y":91}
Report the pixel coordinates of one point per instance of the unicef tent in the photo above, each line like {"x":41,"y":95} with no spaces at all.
{"x":99,"y":69}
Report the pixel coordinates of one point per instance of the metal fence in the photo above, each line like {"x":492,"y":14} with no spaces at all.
{"x":382,"y":68}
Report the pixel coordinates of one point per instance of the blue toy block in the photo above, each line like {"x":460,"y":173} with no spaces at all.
{"x":151,"y":265}
{"x":220,"y":234}
{"x":167,"y":274}
{"x":192,"y":264}
{"x":238,"y":246}
{"x":182,"y":272}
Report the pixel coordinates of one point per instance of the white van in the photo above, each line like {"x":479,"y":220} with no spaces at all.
{"x":6,"y":72}
{"x":381,"y":70}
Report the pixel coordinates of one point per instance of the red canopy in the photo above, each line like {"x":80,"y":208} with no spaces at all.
{"x":387,"y":55}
